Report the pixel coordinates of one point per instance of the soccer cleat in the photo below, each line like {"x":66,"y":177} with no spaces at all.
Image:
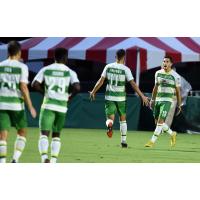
{"x":173,"y":139}
{"x":124,"y":145}
{"x":109,"y":130}
{"x":149,"y":144}
{"x":13,"y":161}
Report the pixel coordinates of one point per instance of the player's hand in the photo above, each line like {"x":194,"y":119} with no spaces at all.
{"x":92,"y":96}
{"x":145,"y":101}
{"x":69,"y":98}
{"x":33,"y":112}
{"x":179,"y":109}
{"x":152,"y":104}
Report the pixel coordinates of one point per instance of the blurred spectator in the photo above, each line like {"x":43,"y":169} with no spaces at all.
{"x":180,"y":123}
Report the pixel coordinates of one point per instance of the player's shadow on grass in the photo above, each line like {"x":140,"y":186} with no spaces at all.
{"x":175,"y":150}
{"x":170,"y":149}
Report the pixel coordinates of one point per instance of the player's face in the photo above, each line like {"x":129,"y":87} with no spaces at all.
{"x":166,"y":65}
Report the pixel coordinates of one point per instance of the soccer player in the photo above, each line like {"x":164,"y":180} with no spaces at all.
{"x":57,"y":78}
{"x":115,"y":97}
{"x":13,"y":93}
{"x":167,"y":83}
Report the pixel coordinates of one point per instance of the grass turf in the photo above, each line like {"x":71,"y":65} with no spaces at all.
{"x":93,"y":146}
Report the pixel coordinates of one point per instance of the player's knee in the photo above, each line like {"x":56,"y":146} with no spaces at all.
{"x":3,"y":135}
{"x":122,"y":118}
{"x":111,"y":117}
{"x":55,"y":134}
{"x":160,"y":121}
{"x":22,"y":132}
{"x":46,"y":133}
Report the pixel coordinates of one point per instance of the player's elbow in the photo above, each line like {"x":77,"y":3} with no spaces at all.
{"x":36,"y":86}
{"x":23,"y":87}
{"x":76,"y":88}
{"x":101,"y":81}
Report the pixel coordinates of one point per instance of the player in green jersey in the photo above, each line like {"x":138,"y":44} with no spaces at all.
{"x":13,"y":93}
{"x":57,"y":78}
{"x":167,"y":83}
{"x":117,"y":74}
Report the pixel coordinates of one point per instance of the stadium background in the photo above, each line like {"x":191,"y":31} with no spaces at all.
{"x":84,"y":114}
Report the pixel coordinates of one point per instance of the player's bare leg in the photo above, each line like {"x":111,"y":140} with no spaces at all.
{"x":109,"y":124}
{"x":123,"y":130}
{"x":3,"y":146}
{"x":19,"y":145}
{"x":157,"y":132}
{"x":43,"y":146}
{"x":162,"y":126}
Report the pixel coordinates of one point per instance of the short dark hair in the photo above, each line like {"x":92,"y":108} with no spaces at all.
{"x":13,"y":48}
{"x":60,"y":55}
{"x":170,"y":58}
{"x":120,"y":54}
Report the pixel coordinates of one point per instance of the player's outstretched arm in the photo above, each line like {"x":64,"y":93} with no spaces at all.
{"x":138,"y":91}
{"x":96,"y":88}
{"x":38,"y":87}
{"x":27,"y":99}
{"x":153,"y":98}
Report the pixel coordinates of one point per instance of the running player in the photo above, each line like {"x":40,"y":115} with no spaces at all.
{"x":117,"y":74}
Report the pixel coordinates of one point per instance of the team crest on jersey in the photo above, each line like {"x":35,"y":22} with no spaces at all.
{"x":163,"y":80}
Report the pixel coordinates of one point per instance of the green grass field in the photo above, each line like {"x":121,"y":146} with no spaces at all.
{"x":93,"y":146}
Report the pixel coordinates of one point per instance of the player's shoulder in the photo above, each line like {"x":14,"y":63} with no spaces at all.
{"x":2,"y":63}
{"x":45,"y":68}
{"x":110,"y":65}
{"x":160,"y":71}
{"x":117,"y":65}
{"x":22,"y":65}
{"x":55,"y":66}
{"x":175,"y":74}
{"x":17,"y":63}
{"x":72,"y":72}
{"x":13,"y":63}
{"x":125,"y":67}
{"x":66,"y":68}
{"x":49,"y":66}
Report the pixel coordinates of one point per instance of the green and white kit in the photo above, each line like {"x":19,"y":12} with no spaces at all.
{"x":117,"y":75}
{"x":12,"y":72}
{"x":57,"y":79}
{"x":167,"y":83}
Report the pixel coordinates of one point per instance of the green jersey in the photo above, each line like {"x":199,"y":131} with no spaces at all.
{"x":57,"y":78}
{"x":167,"y":83}
{"x":12,"y":72}
{"x":116,"y":75}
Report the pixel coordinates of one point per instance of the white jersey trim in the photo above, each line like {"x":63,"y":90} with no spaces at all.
{"x":164,"y":99}
{"x":113,"y":88}
{"x":54,"y":108}
{"x":112,"y":98}
{"x":11,"y":106}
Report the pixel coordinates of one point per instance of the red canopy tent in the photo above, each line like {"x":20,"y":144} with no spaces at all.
{"x":103,"y":49}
